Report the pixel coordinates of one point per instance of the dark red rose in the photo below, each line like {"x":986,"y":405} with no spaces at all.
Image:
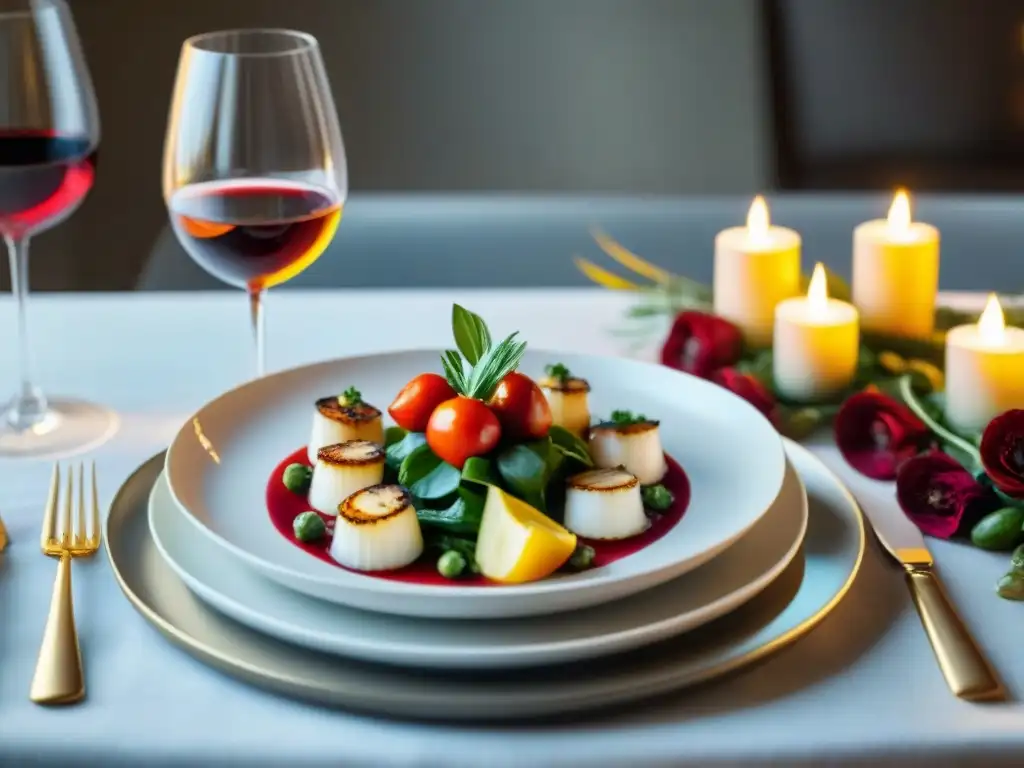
{"x":941,"y":497}
{"x":747,"y":387}
{"x":876,"y":434}
{"x":700,"y":343}
{"x":1002,"y":452}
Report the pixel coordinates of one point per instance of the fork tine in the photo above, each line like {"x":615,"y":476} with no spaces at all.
{"x":69,"y":497}
{"x":50,"y":515}
{"x":82,"y":533}
{"x":94,"y":540}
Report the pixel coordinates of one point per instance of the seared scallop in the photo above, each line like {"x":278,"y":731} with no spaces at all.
{"x":568,"y":399}
{"x":377,"y":530}
{"x":634,"y":445}
{"x":336,"y":420}
{"x":604,"y":504}
{"x":343,"y":469}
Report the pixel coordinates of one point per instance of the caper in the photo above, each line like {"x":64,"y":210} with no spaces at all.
{"x":1011,"y":586}
{"x":999,"y":530}
{"x":297,"y":477}
{"x":582,"y":557}
{"x":451,"y":564}
{"x":657,"y":497}
{"x":309,"y":526}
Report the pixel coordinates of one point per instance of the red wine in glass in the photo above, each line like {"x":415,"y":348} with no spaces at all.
{"x":43,"y":178}
{"x":254,"y":233}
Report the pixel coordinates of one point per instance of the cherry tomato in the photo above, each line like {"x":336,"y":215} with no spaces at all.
{"x":412,"y":407}
{"x":521,"y":408}
{"x":460,"y":428}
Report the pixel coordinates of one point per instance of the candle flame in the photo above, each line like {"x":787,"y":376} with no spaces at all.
{"x":992,"y":323}
{"x":899,"y":213}
{"x":758,"y":221}
{"x":817,"y":291}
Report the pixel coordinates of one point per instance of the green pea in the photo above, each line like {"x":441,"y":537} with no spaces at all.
{"x":297,"y":477}
{"x":999,"y":530}
{"x":582,"y":557}
{"x":657,"y":497}
{"x":451,"y":564}
{"x":1011,"y":586}
{"x":309,"y":526}
{"x":1017,"y":559}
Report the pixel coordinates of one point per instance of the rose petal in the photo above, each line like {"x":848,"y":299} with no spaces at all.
{"x":1002,"y":452}
{"x":941,"y":497}
{"x":699,"y":343}
{"x":866,"y":416}
{"x":749,"y":388}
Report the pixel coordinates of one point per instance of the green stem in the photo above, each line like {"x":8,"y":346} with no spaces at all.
{"x":907,"y":393}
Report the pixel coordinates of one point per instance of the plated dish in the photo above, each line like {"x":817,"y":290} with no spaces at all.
{"x":222,"y":462}
{"x":487,"y":476}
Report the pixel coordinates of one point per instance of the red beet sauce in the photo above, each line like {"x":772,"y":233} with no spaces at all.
{"x":283,"y":506}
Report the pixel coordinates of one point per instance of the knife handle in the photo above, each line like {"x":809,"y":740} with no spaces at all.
{"x":967,"y":672}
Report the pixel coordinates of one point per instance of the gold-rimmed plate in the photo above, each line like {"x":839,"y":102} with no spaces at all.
{"x":803,"y":595}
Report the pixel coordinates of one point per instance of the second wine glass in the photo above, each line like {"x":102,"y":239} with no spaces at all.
{"x":255,"y":177}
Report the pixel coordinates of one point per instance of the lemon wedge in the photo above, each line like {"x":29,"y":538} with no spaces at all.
{"x":518,"y":543}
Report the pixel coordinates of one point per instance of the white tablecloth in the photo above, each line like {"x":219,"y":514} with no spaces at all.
{"x":863,"y":686}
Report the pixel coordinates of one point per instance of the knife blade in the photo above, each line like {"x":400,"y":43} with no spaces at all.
{"x":967,"y":671}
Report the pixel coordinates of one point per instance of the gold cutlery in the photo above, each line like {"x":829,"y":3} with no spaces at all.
{"x":58,"y":678}
{"x":3,"y":535}
{"x":965,"y":668}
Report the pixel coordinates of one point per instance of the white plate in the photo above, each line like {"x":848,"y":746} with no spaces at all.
{"x":714,"y":589}
{"x":219,"y":463}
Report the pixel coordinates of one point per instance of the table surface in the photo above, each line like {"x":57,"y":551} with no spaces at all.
{"x":862,"y":687}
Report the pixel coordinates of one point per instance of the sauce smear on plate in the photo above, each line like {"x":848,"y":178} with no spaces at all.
{"x":283,"y":506}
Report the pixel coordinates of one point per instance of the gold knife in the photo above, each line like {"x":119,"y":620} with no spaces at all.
{"x":965,"y":668}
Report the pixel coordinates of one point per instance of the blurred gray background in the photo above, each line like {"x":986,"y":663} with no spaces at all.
{"x":485,"y":137}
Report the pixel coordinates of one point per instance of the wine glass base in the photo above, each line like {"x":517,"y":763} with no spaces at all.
{"x":70,"y":427}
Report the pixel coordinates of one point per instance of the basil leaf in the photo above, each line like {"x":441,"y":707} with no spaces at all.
{"x":397,"y":452}
{"x":471,"y":334}
{"x":525,"y":470}
{"x":480,"y":471}
{"x":426,"y":476}
{"x":462,"y":518}
{"x":569,"y":445}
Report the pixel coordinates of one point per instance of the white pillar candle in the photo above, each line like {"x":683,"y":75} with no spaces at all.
{"x":817,"y":342}
{"x":896,"y":273}
{"x":756,"y":267}
{"x":984,"y":370}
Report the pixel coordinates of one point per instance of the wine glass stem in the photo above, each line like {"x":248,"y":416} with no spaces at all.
{"x":28,"y":407}
{"x":256,"y":315}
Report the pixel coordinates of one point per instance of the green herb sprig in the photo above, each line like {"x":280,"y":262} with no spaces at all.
{"x":481,"y":366}
{"x":559,"y":372}
{"x":351,"y":397}
{"x":626,"y":418}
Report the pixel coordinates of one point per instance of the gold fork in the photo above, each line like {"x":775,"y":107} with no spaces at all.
{"x":58,"y":678}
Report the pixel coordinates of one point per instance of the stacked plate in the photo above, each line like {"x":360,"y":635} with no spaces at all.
{"x":768,"y":543}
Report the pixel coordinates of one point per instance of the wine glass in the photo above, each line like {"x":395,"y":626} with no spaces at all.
{"x":255,"y":176}
{"x":49,"y":134}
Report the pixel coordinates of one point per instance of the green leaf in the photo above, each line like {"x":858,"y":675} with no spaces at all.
{"x":569,"y":445}
{"x":393,"y":435}
{"x":471,"y":334}
{"x":838,"y":288}
{"x":525,"y":470}
{"x":426,"y":476}
{"x":496,"y":364}
{"x":801,"y":422}
{"x":481,"y":471}
{"x":397,"y":452}
{"x":462,"y":518}
{"x":999,"y":531}
{"x":962,"y":449}
{"x":932,"y":350}
{"x":454,"y":370}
